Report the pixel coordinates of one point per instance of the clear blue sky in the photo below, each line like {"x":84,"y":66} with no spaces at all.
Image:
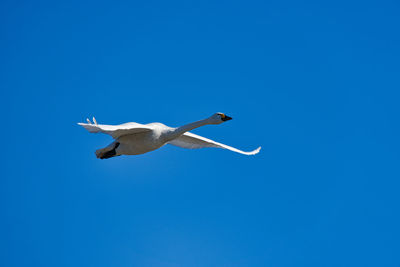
{"x":316,"y":84}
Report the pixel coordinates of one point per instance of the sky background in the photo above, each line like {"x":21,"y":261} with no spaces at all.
{"x":316,"y":84}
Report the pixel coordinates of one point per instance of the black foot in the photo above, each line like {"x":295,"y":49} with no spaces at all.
{"x":111,"y":153}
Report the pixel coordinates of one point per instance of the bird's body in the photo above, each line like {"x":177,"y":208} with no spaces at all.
{"x":135,"y":139}
{"x":140,"y":143}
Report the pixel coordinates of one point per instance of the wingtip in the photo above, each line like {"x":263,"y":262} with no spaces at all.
{"x":256,"y":151}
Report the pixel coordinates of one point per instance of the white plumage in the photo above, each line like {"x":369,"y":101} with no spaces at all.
{"x":191,"y":140}
{"x":134,"y":138}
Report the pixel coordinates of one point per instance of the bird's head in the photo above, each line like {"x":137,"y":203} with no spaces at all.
{"x":219,"y":117}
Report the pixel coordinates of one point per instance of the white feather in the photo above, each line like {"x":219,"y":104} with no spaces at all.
{"x":190,"y":140}
{"x":116,"y":131}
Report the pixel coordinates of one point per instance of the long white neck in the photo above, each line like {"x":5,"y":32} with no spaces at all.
{"x":188,"y":127}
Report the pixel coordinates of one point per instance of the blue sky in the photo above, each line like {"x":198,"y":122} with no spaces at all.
{"x":316,"y":84}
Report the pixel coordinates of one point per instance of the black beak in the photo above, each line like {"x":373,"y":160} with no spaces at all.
{"x":226,"y":118}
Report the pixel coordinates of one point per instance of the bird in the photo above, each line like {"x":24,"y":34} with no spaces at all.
{"x":134,"y":138}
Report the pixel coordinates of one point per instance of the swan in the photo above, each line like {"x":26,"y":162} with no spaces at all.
{"x":134,"y":138}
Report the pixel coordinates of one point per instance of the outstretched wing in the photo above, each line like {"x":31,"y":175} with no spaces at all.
{"x":190,"y":140}
{"x":115,"y":131}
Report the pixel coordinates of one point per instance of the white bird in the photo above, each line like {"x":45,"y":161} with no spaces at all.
{"x":133,"y":138}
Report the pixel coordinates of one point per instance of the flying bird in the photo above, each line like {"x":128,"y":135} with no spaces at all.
{"x":134,"y":138}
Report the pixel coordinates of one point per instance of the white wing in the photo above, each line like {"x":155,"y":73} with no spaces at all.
{"x":189,"y":140}
{"x":115,"y":130}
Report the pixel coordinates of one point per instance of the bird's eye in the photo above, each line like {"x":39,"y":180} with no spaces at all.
{"x":222,"y":115}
